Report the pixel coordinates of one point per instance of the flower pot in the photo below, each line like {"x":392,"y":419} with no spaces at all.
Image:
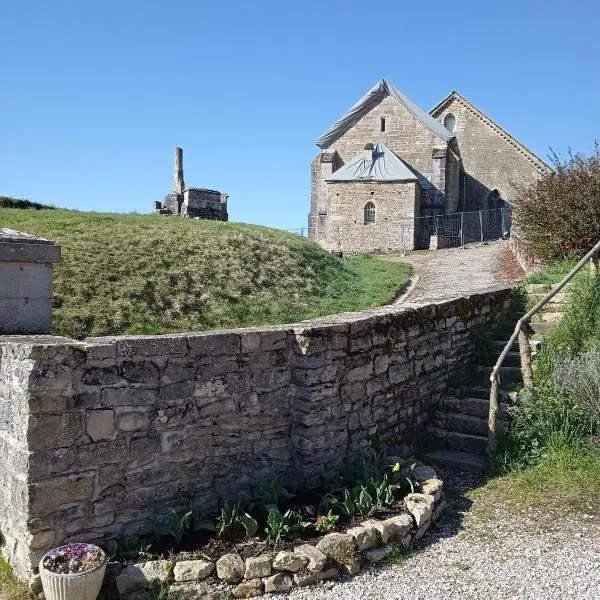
{"x":73,"y":586}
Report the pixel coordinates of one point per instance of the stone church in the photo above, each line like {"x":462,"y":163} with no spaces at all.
{"x":387,"y":162}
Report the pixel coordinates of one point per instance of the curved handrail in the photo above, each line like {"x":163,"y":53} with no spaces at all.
{"x":524,"y":345}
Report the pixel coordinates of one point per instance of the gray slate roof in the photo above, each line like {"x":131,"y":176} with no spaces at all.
{"x":379,"y":164}
{"x":368,"y":101}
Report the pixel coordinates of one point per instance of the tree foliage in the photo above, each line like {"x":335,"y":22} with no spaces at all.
{"x":560,"y":213}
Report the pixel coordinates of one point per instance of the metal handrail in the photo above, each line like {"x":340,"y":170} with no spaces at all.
{"x":524,"y":348}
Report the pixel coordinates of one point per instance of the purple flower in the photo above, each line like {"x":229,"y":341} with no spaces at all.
{"x":73,"y":558}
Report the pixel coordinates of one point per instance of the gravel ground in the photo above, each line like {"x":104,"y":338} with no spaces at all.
{"x":454,"y":272}
{"x":485,"y":552}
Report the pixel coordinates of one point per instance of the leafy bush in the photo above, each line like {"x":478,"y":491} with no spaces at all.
{"x":7,"y":202}
{"x":560,"y":213}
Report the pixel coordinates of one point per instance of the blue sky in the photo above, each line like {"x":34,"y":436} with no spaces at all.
{"x":95,"y":95}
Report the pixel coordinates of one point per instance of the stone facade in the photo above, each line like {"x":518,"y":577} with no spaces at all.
{"x":395,"y":202}
{"x":492,"y":160}
{"x":26,"y":282}
{"x":468,"y":168}
{"x":192,"y":202}
{"x":101,"y":436}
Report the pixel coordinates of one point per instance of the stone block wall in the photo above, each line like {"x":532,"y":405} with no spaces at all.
{"x":492,"y":160}
{"x":26,"y":282}
{"x":395,"y":206}
{"x":101,"y":437}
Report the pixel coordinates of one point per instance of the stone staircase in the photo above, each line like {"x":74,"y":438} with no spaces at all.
{"x":458,"y":433}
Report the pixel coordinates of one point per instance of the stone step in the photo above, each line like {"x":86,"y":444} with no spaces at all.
{"x":560,"y":298}
{"x":454,"y":440}
{"x":542,"y":328}
{"x":461,"y":423}
{"x":548,"y":317}
{"x":507,"y":374}
{"x":474,"y":407}
{"x":481,"y":391}
{"x":461,"y":461}
{"x":544,"y":288}
{"x":513,"y":359}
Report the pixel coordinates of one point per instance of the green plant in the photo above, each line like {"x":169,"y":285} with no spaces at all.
{"x":178,"y":525}
{"x":234,"y":523}
{"x":572,"y":191}
{"x":326,"y":522}
{"x":271,"y":492}
{"x":129,"y":548}
{"x":363,"y":501}
{"x":284,"y":525}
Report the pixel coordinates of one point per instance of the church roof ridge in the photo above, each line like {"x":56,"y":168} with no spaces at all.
{"x":524,"y":150}
{"x":378,"y":164}
{"x":370,"y":99}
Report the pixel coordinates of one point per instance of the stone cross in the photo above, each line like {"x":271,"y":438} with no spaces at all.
{"x":178,"y":183}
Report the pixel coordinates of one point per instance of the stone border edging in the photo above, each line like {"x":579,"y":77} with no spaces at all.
{"x":336,"y":554}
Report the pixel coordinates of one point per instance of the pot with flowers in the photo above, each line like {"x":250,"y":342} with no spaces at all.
{"x":74,"y":571}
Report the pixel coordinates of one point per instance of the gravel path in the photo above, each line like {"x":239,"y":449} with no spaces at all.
{"x":454,"y":272}
{"x":486,"y":554}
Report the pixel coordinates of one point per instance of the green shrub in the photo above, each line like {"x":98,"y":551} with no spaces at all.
{"x":560,"y":213}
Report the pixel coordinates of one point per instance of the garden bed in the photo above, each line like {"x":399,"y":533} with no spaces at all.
{"x":278,"y":540}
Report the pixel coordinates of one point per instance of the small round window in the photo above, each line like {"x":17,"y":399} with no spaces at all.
{"x":369,"y":213}
{"x":449,"y":122}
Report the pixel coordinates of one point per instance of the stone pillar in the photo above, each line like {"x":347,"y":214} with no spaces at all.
{"x":178,"y":183}
{"x":26,"y":283}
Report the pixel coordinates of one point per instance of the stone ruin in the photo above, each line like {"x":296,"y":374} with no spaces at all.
{"x":199,"y":203}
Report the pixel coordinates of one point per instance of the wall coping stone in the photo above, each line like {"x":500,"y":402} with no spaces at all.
{"x":22,"y":247}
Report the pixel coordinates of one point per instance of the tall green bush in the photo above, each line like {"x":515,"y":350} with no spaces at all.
{"x":560,"y":213}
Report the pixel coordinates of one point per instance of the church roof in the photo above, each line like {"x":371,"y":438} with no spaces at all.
{"x":368,"y":101}
{"x":539,"y":164}
{"x":379,"y":164}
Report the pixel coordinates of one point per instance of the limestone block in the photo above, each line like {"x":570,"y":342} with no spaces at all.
{"x":140,"y":576}
{"x":47,"y":496}
{"x":249,"y":589}
{"x":100,"y":424}
{"x":376,"y":555}
{"x":391,"y":529}
{"x":420,"y":506}
{"x":341,"y":548}
{"x":365,"y":537}
{"x":194,"y":591}
{"x":132,"y":421}
{"x":433,"y":487}
{"x":258,"y":566}
{"x":231,"y":568}
{"x":193,"y":570}
{"x":316,"y":559}
{"x":279,"y":583}
{"x":304,"y":579}
{"x":289,"y":561}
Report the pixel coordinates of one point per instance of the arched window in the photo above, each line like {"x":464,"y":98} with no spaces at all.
{"x":450,"y":122}
{"x":369,"y":213}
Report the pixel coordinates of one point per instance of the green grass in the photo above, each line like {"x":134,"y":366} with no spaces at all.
{"x":149,"y":274}
{"x":550,"y":454}
{"x":10,"y":587}
{"x":553,"y":273}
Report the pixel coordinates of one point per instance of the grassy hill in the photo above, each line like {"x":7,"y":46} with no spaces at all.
{"x":149,"y":274}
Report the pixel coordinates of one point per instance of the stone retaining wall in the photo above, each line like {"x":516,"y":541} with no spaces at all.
{"x":526,"y":258}
{"x":101,"y":436}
